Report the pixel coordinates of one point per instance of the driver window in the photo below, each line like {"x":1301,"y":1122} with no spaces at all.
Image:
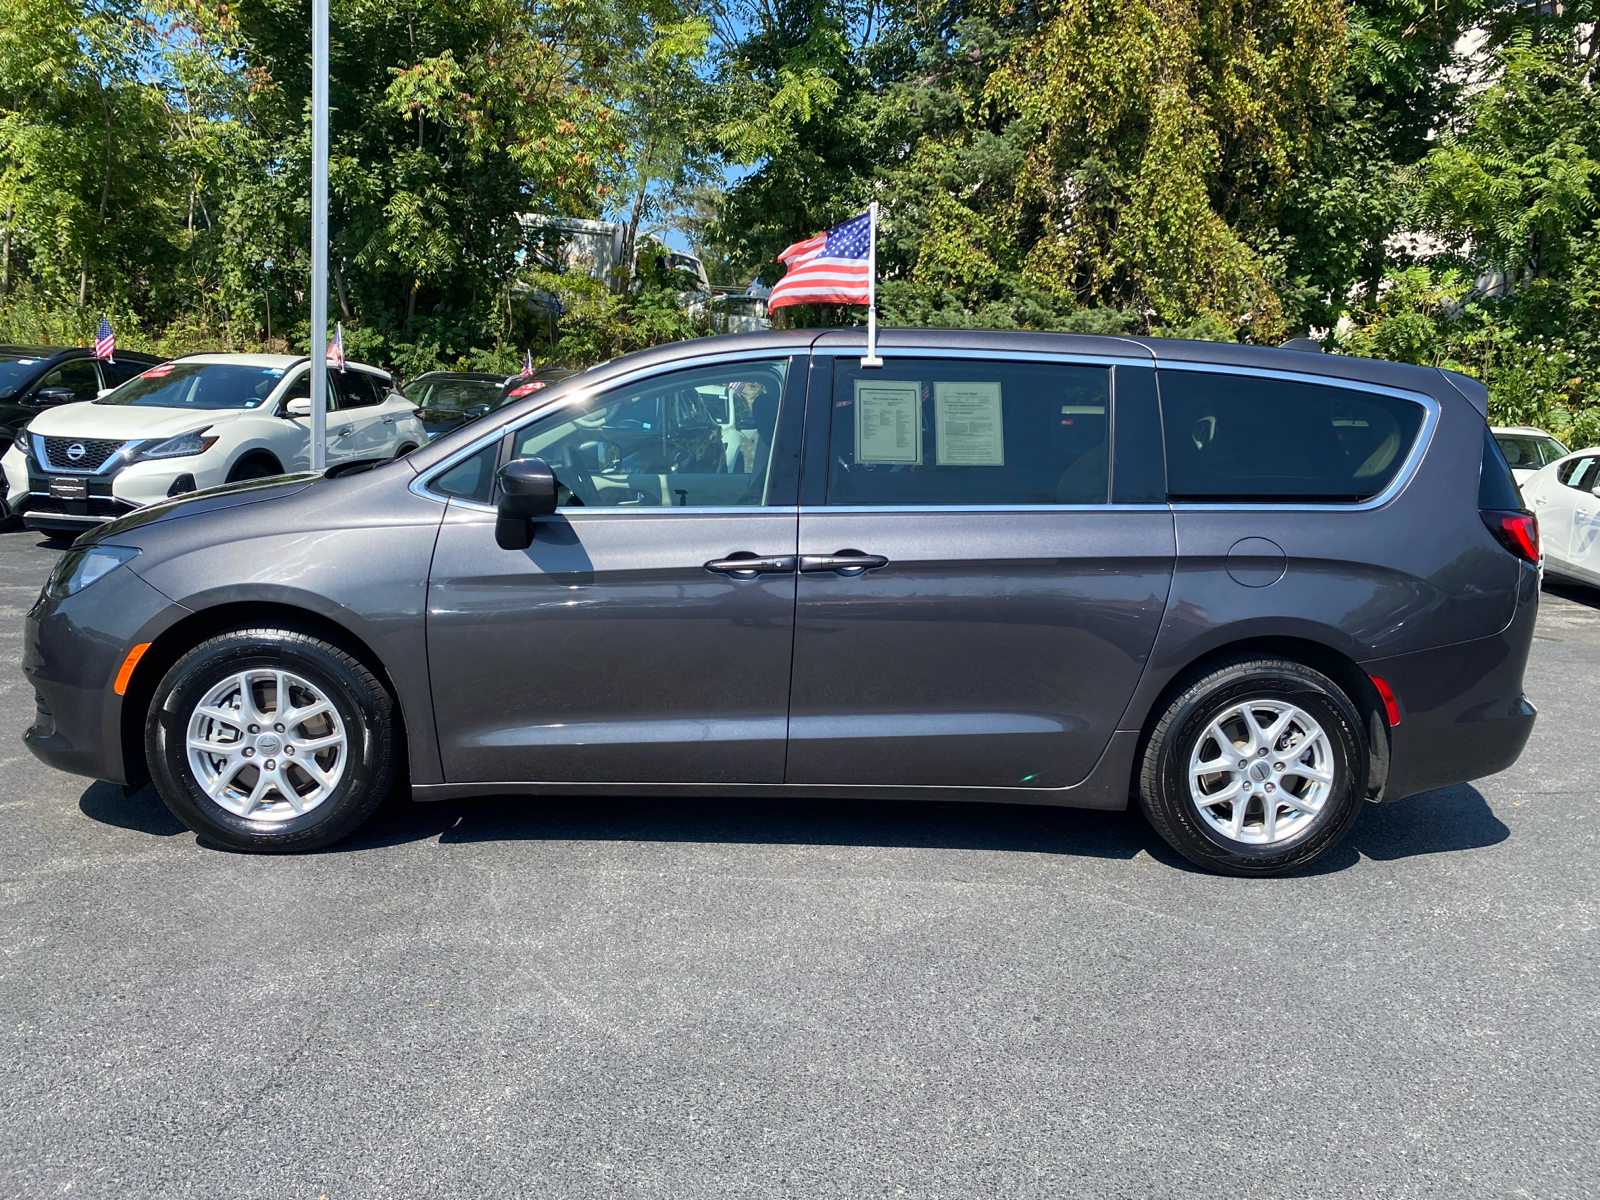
{"x":300,"y":389}
{"x":690,"y":439}
{"x":77,"y":374}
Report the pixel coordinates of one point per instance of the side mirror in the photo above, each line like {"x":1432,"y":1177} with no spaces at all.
{"x":103,"y":393}
{"x":1595,"y":491}
{"x":527,"y":490}
{"x":298,"y":407}
{"x":54,"y":395}
{"x":476,"y":411}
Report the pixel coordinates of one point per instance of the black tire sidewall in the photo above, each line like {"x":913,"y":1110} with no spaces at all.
{"x":362,"y":704}
{"x":1186,"y":721}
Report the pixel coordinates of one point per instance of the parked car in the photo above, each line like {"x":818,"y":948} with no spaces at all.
{"x":194,"y":423}
{"x":1527,"y":449}
{"x":34,"y":378}
{"x":1565,"y":496}
{"x":447,"y":400}
{"x":1000,"y":566}
{"x":529,"y":382}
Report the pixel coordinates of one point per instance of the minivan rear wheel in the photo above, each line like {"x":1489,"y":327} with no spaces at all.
{"x":1256,"y":768}
{"x":271,"y":739}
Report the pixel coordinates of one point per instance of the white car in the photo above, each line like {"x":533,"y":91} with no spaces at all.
{"x":194,"y":423}
{"x":1566,"y":498}
{"x":1527,"y":449}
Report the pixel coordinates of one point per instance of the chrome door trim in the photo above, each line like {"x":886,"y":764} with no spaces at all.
{"x":865,"y":509}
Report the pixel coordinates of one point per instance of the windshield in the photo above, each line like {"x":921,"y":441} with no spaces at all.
{"x":1529,"y":452}
{"x":15,"y":368}
{"x":199,"y":385}
{"x":458,"y":395}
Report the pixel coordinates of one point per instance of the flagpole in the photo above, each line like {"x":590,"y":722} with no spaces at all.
{"x":319,"y":234}
{"x":872,"y":359}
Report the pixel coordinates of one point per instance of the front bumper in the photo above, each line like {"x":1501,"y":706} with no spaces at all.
{"x":34,"y":493}
{"x":72,"y":649}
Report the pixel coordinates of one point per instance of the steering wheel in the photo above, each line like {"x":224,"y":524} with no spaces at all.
{"x":577,"y":478}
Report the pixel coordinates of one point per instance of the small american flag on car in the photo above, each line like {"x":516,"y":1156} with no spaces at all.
{"x":336,"y":347}
{"x":105,"y":342}
{"x":831,"y":268}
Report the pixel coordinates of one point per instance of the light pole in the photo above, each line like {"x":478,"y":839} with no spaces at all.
{"x":319,"y":233}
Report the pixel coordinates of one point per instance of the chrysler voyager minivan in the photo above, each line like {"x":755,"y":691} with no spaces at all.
{"x":1250,"y":589}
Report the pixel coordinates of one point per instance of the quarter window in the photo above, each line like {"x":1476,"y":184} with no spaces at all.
{"x":1579,"y":473}
{"x":689,"y":439}
{"x":1247,"y":437}
{"x":470,"y":479}
{"x":955,"y":432}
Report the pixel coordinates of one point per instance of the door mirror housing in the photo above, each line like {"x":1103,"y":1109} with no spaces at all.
{"x":54,"y":395}
{"x":527,"y":490}
{"x":298,"y":407}
{"x":1595,"y":492}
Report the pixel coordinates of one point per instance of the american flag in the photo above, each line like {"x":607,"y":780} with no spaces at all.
{"x":105,"y":342}
{"x":336,"y":347}
{"x":527,"y":362}
{"x":830,"y":268}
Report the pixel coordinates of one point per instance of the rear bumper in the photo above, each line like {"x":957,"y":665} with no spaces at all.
{"x":1463,"y":714}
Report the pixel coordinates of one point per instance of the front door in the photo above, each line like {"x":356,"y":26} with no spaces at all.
{"x":646,"y":634}
{"x":972,"y":611}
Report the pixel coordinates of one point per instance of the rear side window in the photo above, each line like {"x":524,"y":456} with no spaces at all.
{"x":1250,"y":437}
{"x":1578,"y":473}
{"x":1497,"y":487}
{"x":960,"y":432}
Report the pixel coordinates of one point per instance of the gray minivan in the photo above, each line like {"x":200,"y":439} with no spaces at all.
{"x":1253,"y":588}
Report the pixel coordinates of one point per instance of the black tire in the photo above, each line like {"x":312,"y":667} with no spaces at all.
{"x":363,"y":704}
{"x":253,"y":468}
{"x":1164,"y":786}
{"x":404,"y":450}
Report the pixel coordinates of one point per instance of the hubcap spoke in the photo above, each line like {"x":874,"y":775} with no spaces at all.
{"x":1270,"y":788}
{"x":249,"y":773}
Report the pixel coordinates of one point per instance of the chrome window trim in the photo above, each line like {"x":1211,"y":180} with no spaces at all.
{"x":865,"y":509}
{"x":893,"y":353}
{"x":1402,"y":477}
{"x":676,"y":509}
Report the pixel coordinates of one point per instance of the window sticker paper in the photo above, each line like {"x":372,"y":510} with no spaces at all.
{"x":967,"y":416}
{"x":888,"y":421}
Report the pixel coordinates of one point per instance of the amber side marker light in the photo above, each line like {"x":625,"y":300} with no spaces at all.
{"x":125,"y":672}
{"x":1391,"y":707}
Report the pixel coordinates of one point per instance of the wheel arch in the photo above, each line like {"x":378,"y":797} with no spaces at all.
{"x":183,"y":635}
{"x":1338,"y":666}
{"x":262,"y":454}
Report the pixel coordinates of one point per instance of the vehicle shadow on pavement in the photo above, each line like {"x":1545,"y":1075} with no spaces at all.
{"x":138,"y":809}
{"x":1576,"y":592}
{"x":1450,"y":819}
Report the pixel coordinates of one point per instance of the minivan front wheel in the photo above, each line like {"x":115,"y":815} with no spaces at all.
{"x":271,"y":740}
{"x":1256,"y":768}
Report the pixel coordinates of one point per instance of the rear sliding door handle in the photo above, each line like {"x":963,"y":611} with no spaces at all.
{"x":845,"y":562}
{"x":745,"y":565}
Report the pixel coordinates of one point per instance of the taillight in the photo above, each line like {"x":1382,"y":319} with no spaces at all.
{"x":1517,"y":531}
{"x":526,"y":389}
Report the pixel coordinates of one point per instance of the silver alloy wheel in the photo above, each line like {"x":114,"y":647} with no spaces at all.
{"x":1261,"y":772}
{"x":267,"y":744}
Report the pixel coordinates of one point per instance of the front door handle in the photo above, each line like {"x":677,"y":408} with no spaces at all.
{"x":745,"y":565}
{"x":844,"y":562}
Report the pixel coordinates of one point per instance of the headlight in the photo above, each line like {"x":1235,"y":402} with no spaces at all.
{"x":77,"y":569}
{"x":182,"y":446}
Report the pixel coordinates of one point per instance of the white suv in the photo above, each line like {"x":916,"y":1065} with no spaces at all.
{"x":194,"y":423}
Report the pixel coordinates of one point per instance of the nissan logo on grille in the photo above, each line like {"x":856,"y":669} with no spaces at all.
{"x":75,"y":451}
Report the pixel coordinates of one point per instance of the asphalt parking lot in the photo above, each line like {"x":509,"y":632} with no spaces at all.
{"x":586,"y":998}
